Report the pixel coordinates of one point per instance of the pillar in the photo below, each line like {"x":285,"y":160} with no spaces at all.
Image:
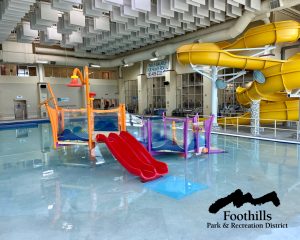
{"x":42,"y":92}
{"x":121,"y":86}
{"x":214,"y":94}
{"x":150,"y":94}
{"x":206,"y":96}
{"x":41,"y":72}
{"x":170,"y":86}
{"x":254,"y":110}
{"x":142,"y":93}
{"x":142,"y":85}
{"x":121,"y":90}
{"x":170,"y":79}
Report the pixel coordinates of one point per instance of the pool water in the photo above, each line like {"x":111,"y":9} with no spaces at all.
{"x":62,"y":194}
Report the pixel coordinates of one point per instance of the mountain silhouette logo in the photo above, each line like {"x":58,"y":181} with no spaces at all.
{"x":239,"y":199}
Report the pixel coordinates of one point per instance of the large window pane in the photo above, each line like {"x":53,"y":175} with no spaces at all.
{"x":159,"y":92}
{"x":131,"y":96}
{"x":192,"y":92}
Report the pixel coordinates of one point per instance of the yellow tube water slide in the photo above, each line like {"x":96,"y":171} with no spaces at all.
{"x":282,"y":76}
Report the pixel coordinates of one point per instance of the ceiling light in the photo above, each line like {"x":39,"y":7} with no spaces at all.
{"x":128,"y":65}
{"x":93,"y":65}
{"x":153,"y":59}
{"x":157,"y":58}
{"x":42,"y":61}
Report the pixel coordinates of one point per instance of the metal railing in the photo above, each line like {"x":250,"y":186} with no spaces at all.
{"x":269,"y":129}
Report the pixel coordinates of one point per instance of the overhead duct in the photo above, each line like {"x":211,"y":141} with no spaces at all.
{"x":68,"y":61}
{"x":227,"y":30}
{"x":219,"y":32}
{"x":61,"y":52}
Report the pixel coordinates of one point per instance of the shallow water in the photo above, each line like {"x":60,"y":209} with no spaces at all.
{"x":61,"y":194}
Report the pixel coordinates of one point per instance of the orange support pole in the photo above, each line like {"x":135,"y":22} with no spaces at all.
{"x":89,"y":107}
{"x":174,"y":132}
{"x":119,"y":118}
{"x":85,"y":81}
{"x":52,"y":96}
{"x":54,"y":123}
{"x":122,"y":117}
{"x":92,"y":123}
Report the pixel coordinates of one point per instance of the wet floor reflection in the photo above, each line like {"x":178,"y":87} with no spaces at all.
{"x":63,"y":194}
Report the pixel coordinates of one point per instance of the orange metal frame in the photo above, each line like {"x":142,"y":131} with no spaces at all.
{"x":57,"y":113}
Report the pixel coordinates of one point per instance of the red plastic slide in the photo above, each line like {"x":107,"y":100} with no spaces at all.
{"x":160,"y":167}
{"x":132,"y":159}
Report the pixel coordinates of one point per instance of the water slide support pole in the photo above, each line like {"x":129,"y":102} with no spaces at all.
{"x":255,"y":117}
{"x":214,"y":94}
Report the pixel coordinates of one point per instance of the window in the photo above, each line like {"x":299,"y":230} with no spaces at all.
{"x":23,"y":71}
{"x":192,"y":92}
{"x":66,"y":72}
{"x":18,"y":70}
{"x":131,"y":96}
{"x":96,"y":73}
{"x":32,"y":71}
{"x":59,"y":72}
{"x":159,"y":93}
{"x":105,"y":75}
{"x":228,"y":103}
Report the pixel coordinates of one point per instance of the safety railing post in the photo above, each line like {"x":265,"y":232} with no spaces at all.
{"x":298,"y":130}
{"x":275,"y":128}
{"x":237,"y":125}
{"x":225,"y":127}
{"x":255,"y":126}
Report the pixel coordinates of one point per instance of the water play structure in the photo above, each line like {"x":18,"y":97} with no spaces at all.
{"x":274,"y":80}
{"x":177,"y":135}
{"x":79,"y":126}
{"x":88,"y":126}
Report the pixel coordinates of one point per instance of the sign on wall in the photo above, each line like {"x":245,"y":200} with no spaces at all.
{"x":157,"y":68}
{"x":63,"y":99}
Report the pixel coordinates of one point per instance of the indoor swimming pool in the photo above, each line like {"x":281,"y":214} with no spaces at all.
{"x":63,"y":194}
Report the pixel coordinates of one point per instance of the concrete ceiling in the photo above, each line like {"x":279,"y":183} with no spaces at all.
{"x":112,"y":27}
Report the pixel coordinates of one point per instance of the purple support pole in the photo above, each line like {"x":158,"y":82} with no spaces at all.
{"x":149,"y":126}
{"x":165,"y":126}
{"x":143,"y":130}
{"x":185,"y":137}
{"x":196,"y":134}
{"x":208,"y":127}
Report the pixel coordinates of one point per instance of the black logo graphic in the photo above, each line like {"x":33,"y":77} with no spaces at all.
{"x":238,"y":199}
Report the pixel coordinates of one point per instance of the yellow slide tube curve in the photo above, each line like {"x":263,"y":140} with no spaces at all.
{"x":281,"y":75}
